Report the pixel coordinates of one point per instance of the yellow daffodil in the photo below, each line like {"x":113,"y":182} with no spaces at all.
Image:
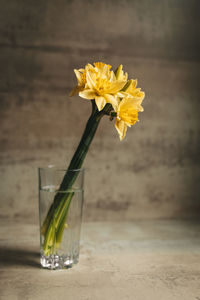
{"x":100,"y":83}
{"x":127,"y":114}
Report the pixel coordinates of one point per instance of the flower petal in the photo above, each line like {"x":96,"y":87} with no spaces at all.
{"x":90,"y":77}
{"x":87,"y":94}
{"x":121,"y":128}
{"x":112,"y":100}
{"x":112,"y":76}
{"x":134,"y":83}
{"x":100,"y":102}
{"x":116,"y":86}
{"x":122,"y":94}
{"x":78,"y":76}
{"x":140,"y":95}
{"x":128,"y":111}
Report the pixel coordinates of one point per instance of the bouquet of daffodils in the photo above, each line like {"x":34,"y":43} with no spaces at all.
{"x":111,"y":94}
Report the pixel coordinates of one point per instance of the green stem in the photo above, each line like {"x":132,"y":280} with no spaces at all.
{"x":62,"y":221}
{"x":58,"y":211}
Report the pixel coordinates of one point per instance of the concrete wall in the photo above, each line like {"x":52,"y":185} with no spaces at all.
{"x":155,"y":171}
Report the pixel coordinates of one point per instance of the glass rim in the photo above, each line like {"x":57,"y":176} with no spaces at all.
{"x":59,"y":168}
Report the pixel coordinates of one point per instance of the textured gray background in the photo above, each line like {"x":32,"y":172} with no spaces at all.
{"x":155,"y":171}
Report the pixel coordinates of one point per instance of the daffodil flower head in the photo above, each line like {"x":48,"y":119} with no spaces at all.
{"x":98,"y":82}
{"x":127,"y":115}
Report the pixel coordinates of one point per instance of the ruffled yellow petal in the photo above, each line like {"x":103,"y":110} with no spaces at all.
{"x":87,"y":94}
{"x":132,"y":85}
{"x":100,"y":102}
{"x":121,"y":128}
{"x":103,"y":68}
{"x":101,"y":65}
{"x":127,"y":111}
{"x":136,"y":101}
{"x":137,"y":104}
{"x":131,"y":89}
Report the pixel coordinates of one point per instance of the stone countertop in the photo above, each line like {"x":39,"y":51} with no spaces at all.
{"x":137,"y":261}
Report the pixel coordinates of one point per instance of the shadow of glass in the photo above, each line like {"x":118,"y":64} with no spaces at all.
{"x":10,"y":257}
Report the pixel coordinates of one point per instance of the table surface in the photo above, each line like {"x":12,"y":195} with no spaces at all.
{"x":138,"y":260}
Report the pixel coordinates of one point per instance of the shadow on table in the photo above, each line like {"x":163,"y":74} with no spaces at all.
{"x":18,"y":257}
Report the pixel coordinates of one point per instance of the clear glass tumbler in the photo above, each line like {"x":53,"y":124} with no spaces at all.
{"x":60,"y":216}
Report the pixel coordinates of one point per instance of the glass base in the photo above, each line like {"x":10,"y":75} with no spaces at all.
{"x":57,"y":262}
